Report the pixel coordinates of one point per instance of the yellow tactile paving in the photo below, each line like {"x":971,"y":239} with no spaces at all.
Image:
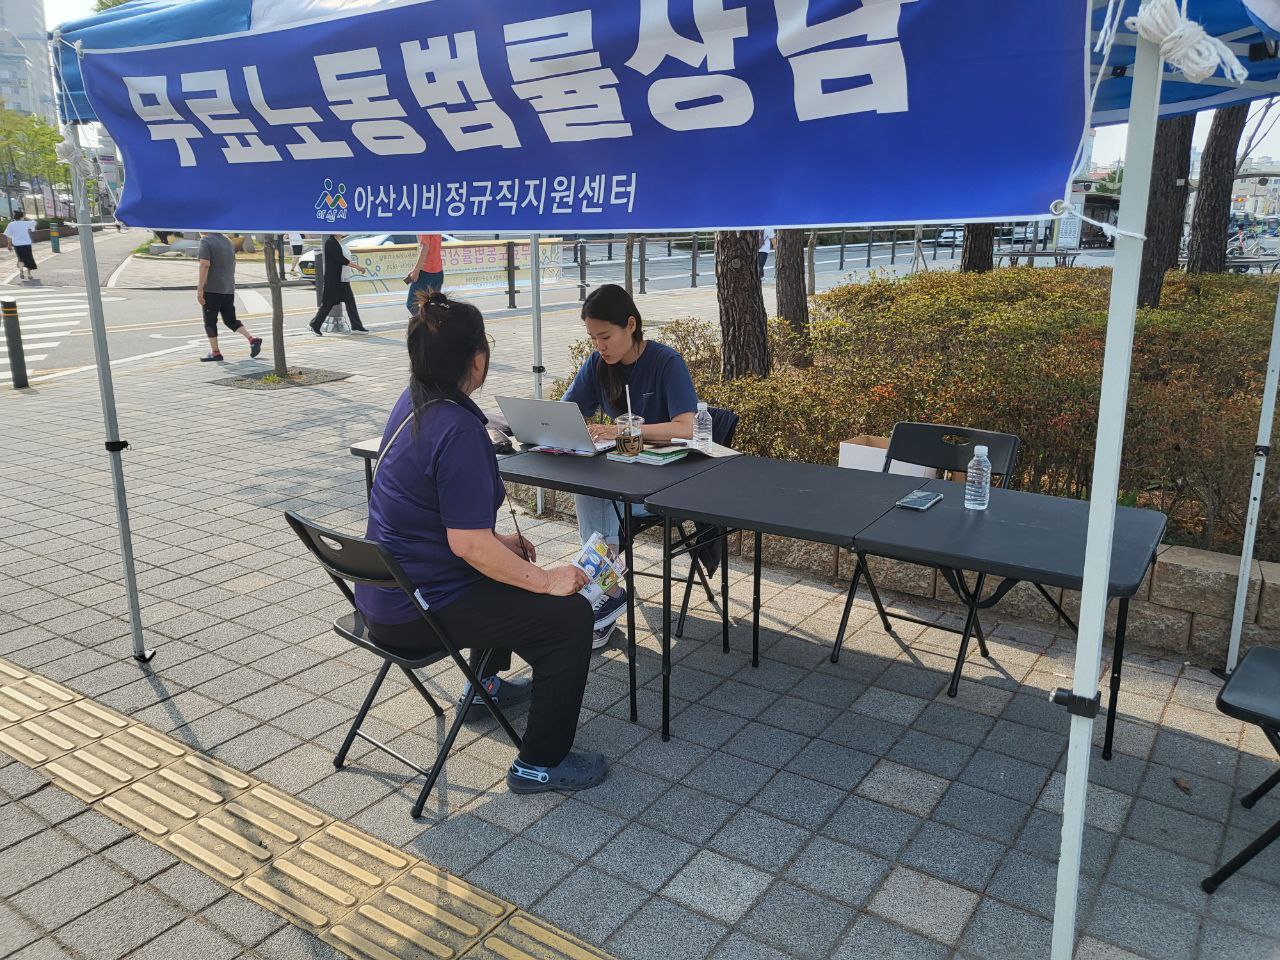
{"x":101,"y":768}
{"x":58,"y":732}
{"x":524,"y":937}
{"x":426,"y":914}
{"x":365,"y":898}
{"x":245,"y":834}
{"x":175,"y":796}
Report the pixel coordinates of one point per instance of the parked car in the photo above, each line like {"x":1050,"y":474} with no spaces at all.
{"x":363,"y":241}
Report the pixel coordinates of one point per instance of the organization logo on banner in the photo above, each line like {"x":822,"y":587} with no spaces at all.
{"x":332,"y":204}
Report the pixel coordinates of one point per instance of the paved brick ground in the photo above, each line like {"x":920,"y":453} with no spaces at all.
{"x":802,"y":809}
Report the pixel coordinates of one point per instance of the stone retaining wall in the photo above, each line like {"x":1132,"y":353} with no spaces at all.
{"x":1183,"y":607}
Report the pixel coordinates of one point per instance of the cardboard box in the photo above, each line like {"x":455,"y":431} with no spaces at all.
{"x":867,"y":453}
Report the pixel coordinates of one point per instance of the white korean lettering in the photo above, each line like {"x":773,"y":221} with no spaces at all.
{"x":358,"y":91}
{"x":592,"y":194}
{"x":221,"y":116}
{"x":622,"y":191}
{"x":816,"y":72}
{"x":149,"y":97}
{"x":456,"y":199}
{"x":481,"y":194}
{"x":311,"y":146}
{"x":442,"y":78}
{"x":558,"y":72}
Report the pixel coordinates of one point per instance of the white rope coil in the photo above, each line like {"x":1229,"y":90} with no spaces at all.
{"x":1183,"y":43}
{"x":1060,"y":209}
{"x":74,"y":158}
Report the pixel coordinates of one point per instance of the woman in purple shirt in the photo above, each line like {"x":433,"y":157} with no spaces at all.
{"x":434,"y":505}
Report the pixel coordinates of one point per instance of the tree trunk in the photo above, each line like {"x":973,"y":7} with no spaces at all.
{"x":1167,"y":206}
{"x":979,"y":248}
{"x":744,"y":329}
{"x":788,"y":268}
{"x":1207,"y":249}
{"x":627,"y":272}
{"x":281,"y":366}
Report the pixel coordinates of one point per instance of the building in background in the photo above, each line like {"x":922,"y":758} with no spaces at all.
{"x":23,"y":20}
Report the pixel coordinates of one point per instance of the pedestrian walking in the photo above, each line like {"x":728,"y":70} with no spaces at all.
{"x":428,"y":272}
{"x":295,"y":248}
{"x":19,"y":233}
{"x":338,"y":264}
{"x":216,"y":294}
{"x":766,"y":247}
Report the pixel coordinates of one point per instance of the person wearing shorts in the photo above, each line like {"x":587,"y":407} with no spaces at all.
{"x":19,"y":233}
{"x":295,"y":248}
{"x":428,"y":272}
{"x":216,"y":294}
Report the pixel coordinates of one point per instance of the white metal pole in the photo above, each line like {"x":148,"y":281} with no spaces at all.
{"x":97,"y":324}
{"x":1260,"y":453}
{"x":1139,"y":148}
{"x":535,"y":285}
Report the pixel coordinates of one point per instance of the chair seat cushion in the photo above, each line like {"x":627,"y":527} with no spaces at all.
{"x":1252,"y":693}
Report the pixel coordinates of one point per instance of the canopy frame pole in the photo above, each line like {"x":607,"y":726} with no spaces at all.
{"x":1109,"y":444}
{"x":1261,"y":452}
{"x":106,"y":390}
{"x":535,"y":287}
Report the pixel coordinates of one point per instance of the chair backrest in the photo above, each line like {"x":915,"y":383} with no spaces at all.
{"x":950,"y":448}
{"x":349,"y":559}
{"x":724,"y":425}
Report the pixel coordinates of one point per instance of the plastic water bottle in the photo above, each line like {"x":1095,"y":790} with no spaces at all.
{"x":977,"y":484}
{"x":702,"y":428}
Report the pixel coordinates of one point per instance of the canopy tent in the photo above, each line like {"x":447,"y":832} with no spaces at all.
{"x":894,"y":41}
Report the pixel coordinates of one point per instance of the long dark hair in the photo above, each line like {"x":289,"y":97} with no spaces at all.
{"x":612,"y":304}
{"x":444,"y":335}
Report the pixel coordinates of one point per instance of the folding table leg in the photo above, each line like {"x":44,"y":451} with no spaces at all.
{"x":724,"y":589}
{"x":666,"y":628}
{"x":875,"y":594}
{"x":684,"y":604}
{"x":1117,"y":663}
{"x":341,"y":757}
{"x":631,"y":608}
{"x":969,"y":621}
{"x":755,"y":613}
{"x":848,"y":608}
{"x":1268,"y":837}
{"x":368,"y":479}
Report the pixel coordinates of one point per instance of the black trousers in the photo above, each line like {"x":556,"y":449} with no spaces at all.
{"x":343,"y":295}
{"x":551,"y":634}
{"x":219,"y":304}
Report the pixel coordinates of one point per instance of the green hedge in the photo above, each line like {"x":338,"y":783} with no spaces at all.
{"x":1021,"y":351}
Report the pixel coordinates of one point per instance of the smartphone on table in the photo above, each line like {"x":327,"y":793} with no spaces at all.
{"x":919,"y":500}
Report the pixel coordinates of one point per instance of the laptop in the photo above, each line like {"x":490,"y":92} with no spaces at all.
{"x":551,"y":425}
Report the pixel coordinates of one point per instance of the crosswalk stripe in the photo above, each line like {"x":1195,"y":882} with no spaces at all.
{"x":60,"y":324}
{"x":43,"y":336}
{"x":50,"y":316}
{"x":39,"y":356}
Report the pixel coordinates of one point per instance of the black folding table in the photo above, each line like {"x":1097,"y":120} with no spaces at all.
{"x":1020,"y":537}
{"x":627,"y":483}
{"x":805,"y":501}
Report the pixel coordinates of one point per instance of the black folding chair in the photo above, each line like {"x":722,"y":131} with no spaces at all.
{"x":705,"y":544}
{"x":1252,"y":694}
{"x":355,"y":560}
{"x":947,"y":449}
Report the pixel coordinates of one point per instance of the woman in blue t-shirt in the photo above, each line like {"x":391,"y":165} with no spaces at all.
{"x":434,"y":505}
{"x":661,"y":392}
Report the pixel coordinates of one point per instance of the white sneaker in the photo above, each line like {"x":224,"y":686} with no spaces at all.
{"x":600,"y":638}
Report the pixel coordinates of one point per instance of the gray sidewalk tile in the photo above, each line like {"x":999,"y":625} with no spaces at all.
{"x":16,"y":931}
{"x":591,"y":904}
{"x":59,"y":899}
{"x":741,"y":947}
{"x":1218,"y":941}
{"x":872,"y":826}
{"x":759,"y":840}
{"x":932,"y":907}
{"x":1144,"y":926}
{"x":459,"y":843}
{"x":1252,"y":905}
{"x":575,"y":828}
{"x":688,"y":814}
{"x":732,"y":778}
{"x":644,"y":856}
{"x":291,"y":943}
{"x":190,"y":940}
{"x":798,"y":800}
{"x":120,"y":925}
{"x":796,"y":921}
{"x":626,"y":792}
{"x":242,"y":920}
{"x":1173,"y":830}
{"x":1006,"y":776}
{"x":833,"y":764}
{"x":1159,"y":874}
{"x":188,"y":887}
{"x":762,"y":743}
{"x":953,"y":855}
{"x":522,"y":872}
{"x":923,"y":751}
{"x":35,"y":858}
{"x":837,"y":871}
{"x":902,"y":787}
{"x":1042,"y":837}
{"x":981,"y":812}
{"x":660,"y":924}
{"x":139,"y":858}
{"x":998,"y":932}
{"x":873,"y":939}
{"x":717,"y":887}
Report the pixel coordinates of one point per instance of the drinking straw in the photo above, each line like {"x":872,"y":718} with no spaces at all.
{"x":628,"y":389}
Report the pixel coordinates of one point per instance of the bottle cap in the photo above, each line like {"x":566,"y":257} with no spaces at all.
{"x":979,"y":451}
{"x":702,"y":406}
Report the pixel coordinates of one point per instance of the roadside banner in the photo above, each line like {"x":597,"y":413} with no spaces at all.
{"x":606,"y":115}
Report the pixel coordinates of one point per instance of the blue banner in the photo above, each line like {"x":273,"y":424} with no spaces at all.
{"x":619,"y":115}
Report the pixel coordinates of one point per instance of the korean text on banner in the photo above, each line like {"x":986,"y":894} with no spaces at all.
{"x":622,"y":115}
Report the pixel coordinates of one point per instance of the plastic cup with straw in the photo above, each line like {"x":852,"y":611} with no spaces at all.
{"x":630,"y":441}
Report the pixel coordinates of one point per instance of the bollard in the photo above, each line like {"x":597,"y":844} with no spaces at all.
{"x":511,"y":275}
{"x":893,"y":251}
{"x":609,"y":250}
{"x":668,"y":246}
{"x":13,"y":339}
{"x":871,"y":236}
{"x":842,"y":250}
{"x":935,"y":246}
{"x":694,"y":262}
{"x":55,"y":243}
{"x":811,"y":257}
{"x":582,"y":273}
{"x":642,"y":264}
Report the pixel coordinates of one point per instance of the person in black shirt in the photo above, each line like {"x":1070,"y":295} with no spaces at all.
{"x":338,"y":265}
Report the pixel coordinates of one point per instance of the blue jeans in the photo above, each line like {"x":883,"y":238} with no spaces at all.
{"x":426,"y":281}
{"x":597,"y":516}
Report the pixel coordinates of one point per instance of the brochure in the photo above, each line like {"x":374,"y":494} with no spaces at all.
{"x":603,"y":566}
